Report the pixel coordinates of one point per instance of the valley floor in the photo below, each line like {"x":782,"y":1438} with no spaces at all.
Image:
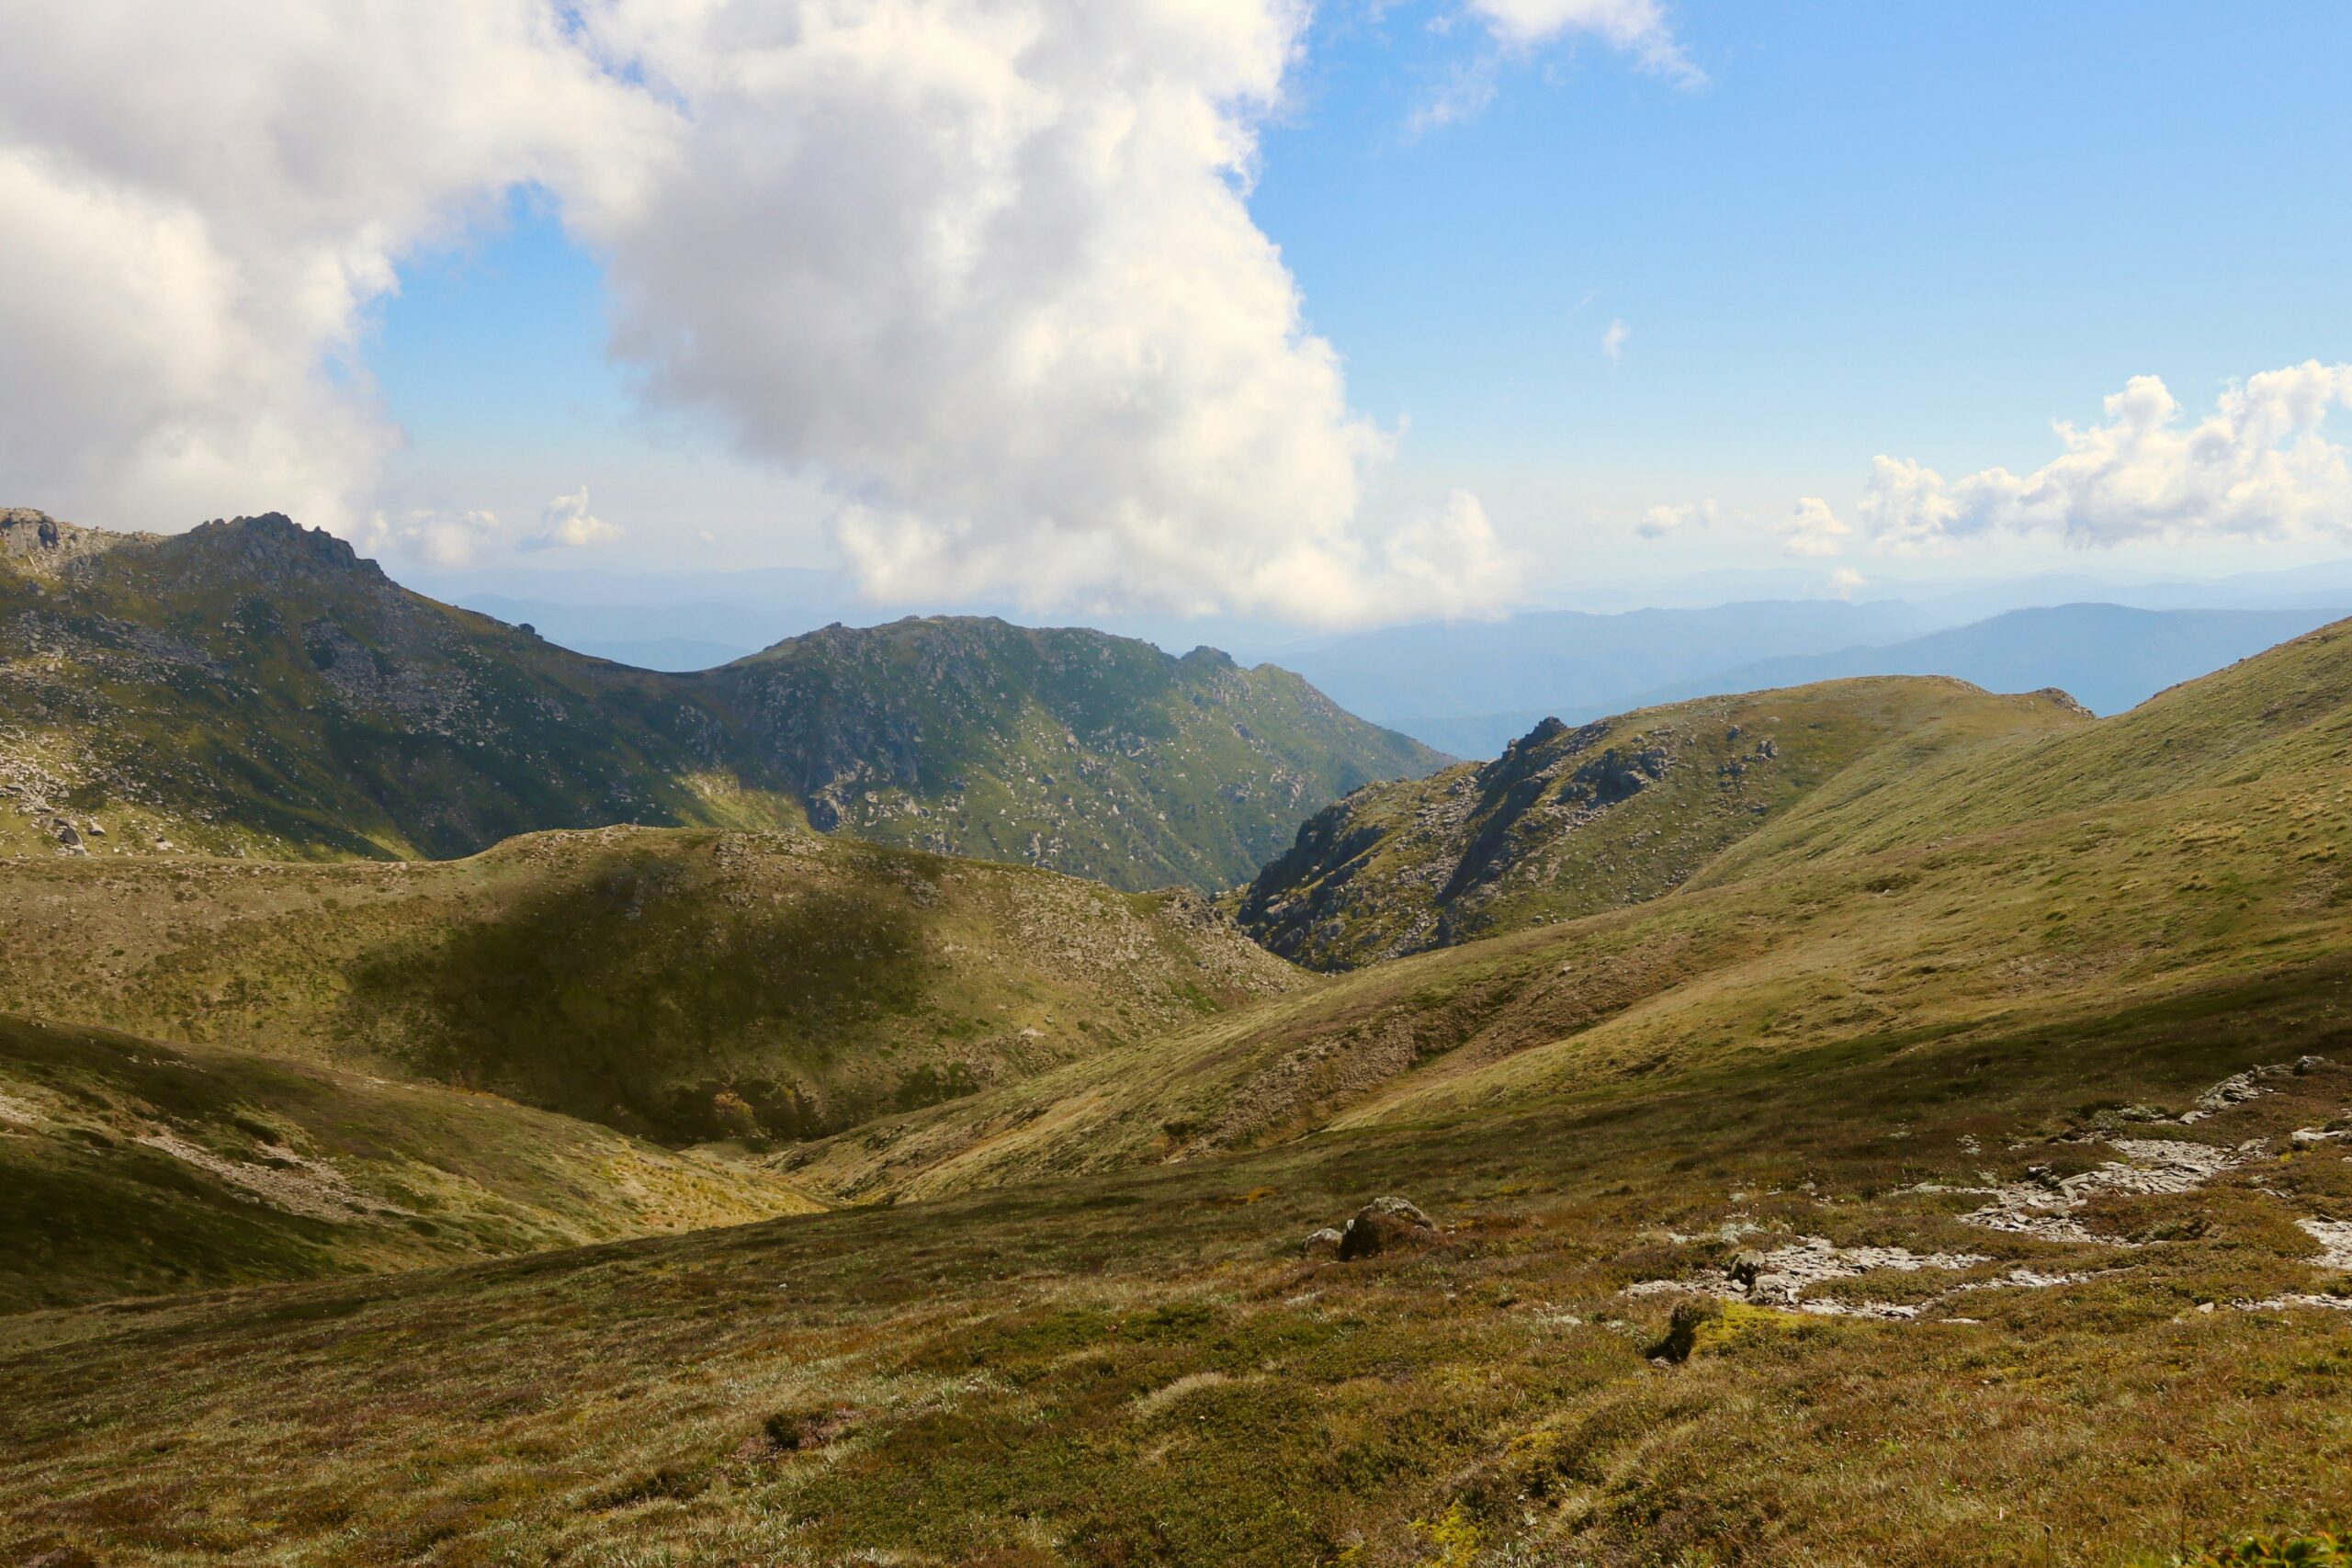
{"x":2064,"y":1295}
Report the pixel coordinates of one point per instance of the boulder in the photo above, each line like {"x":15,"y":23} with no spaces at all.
{"x":1382,"y":1225}
{"x":1324,"y":1242}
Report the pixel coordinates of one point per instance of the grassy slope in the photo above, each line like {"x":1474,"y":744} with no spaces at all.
{"x":634,"y":975}
{"x":1568,"y":821}
{"x":129,"y":1166}
{"x":251,"y":687}
{"x":2196,"y":841}
{"x":1137,"y":1368}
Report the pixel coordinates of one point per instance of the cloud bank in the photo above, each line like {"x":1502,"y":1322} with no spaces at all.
{"x":983,"y":267}
{"x":2258,"y":467}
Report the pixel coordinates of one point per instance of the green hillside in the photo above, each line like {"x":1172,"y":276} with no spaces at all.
{"x":129,"y":1167}
{"x":1955,"y":1168}
{"x":1568,"y":821}
{"x":684,"y":983}
{"x":251,"y":687}
{"x":1096,"y":755}
{"x":2052,"y":878}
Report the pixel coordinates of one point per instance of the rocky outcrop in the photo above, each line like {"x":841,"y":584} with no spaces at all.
{"x":1384,"y":1224}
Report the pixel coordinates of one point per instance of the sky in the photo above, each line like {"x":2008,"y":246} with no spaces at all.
{"x":1327,"y":316}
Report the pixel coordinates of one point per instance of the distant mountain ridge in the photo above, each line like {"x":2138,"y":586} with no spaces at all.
{"x":252,"y":686}
{"x":1473,"y":687}
{"x":2107,"y":657}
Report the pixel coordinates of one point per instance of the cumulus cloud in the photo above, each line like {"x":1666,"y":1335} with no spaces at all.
{"x":1612,"y":340}
{"x":1844,"y":581}
{"x":201,"y":202}
{"x":992,"y":267}
{"x":1813,"y":530}
{"x":2258,"y":467}
{"x":1663,"y":522}
{"x":1637,"y":27}
{"x":565,"y":523}
{"x":451,"y":541}
{"x":984,"y":266}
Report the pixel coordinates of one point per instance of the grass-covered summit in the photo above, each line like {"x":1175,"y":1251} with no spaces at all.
{"x":1569,"y":821}
{"x":254,"y":687}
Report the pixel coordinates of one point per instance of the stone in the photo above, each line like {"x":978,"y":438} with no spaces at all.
{"x":1324,"y":1242}
{"x":1384,"y":1224}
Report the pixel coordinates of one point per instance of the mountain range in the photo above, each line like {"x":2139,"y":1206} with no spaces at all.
{"x":254,"y":686}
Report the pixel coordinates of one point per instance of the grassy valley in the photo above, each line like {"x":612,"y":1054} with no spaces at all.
{"x":129,"y":1166}
{"x":1949,"y":1163}
{"x":683,"y":984}
{"x":2050,"y":874}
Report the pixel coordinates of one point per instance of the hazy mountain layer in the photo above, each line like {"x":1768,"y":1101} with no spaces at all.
{"x":1481,"y":683}
{"x":1471,"y":688}
{"x":2107,"y":657}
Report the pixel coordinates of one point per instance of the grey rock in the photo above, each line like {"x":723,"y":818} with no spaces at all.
{"x":1384,"y":1224}
{"x":1324,"y":1242}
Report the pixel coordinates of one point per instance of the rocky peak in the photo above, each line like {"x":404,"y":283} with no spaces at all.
{"x":33,"y":541}
{"x":273,"y":542}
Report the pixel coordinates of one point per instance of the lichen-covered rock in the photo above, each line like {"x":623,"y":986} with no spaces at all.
{"x":1324,"y":1242}
{"x":1384,"y":1224}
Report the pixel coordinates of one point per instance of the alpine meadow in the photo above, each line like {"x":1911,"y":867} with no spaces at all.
{"x":1036,"y":785}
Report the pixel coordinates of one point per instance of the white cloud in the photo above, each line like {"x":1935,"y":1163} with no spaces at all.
{"x":1844,"y":581}
{"x":2258,"y":467}
{"x":450,"y":540}
{"x":1612,"y":340}
{"x":1663,"y":522}
{"x":1637,"y":27}
{"x":1813,"y":530}
{"x":565,"y":523}
{"x":985,"y":266}
{"x":201,"y":200}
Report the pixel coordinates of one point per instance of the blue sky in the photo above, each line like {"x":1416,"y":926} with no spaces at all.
{"x":1920,"y":230}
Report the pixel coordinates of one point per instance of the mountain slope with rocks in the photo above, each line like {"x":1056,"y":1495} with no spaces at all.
{"x":1094,"y":754}
{"x":1568,"y":821}
{"x":253,"y":687}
